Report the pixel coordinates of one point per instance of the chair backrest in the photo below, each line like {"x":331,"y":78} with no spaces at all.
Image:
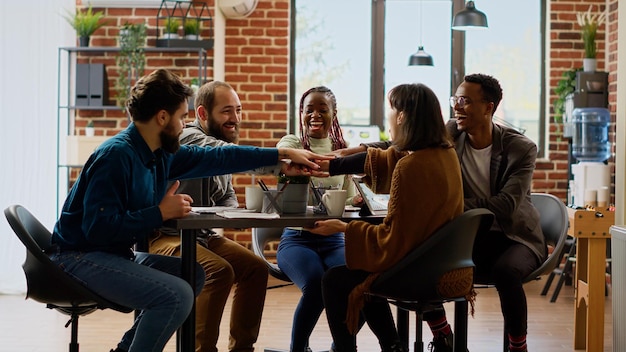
{"x":46,"y":282}
{"x":260,"y":238}
{"x":417,"y":275}
{"x":554,"y":223}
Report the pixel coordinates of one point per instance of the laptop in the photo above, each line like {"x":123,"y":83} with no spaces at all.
{"x":374,"y":204}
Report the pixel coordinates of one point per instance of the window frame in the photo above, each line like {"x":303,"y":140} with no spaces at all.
{"x":457,"y":67}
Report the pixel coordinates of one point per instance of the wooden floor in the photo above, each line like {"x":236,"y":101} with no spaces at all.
{"x":26,"y":325}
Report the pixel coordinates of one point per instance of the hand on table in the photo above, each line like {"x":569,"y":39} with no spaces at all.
{"x":175,"y":205}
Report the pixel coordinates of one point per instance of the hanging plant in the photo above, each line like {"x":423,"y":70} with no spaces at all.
{"x":131,"y":59}
{"x":564,"y":87}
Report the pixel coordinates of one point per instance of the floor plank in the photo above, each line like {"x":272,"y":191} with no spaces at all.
{"x":27,"y":326}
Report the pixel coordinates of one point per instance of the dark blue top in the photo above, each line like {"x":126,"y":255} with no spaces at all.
{"x":114,"y":202}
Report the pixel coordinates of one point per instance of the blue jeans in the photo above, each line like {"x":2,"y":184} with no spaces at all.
{"x":149,"y":283}
{"x":304,"y":257}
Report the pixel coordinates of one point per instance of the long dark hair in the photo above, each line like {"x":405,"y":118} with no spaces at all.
{"x":423,"y":125}
{"x":335,"y":134}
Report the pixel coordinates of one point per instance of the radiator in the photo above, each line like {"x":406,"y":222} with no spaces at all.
{"x":618,"y":280}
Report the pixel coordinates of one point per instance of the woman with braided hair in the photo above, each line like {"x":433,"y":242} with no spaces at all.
{"x":303,"y":256}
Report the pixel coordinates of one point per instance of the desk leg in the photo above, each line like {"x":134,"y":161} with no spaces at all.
{"x":581,"y":302}
{"x":186,"y":339}
{"x":596,"y":264}
{"x":590,"y":285}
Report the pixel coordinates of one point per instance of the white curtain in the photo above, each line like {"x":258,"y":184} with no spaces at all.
{"x":28,"y":97}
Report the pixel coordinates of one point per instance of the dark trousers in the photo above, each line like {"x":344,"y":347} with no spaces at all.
{"x":337,"y":284}
{"x":505,"y":263}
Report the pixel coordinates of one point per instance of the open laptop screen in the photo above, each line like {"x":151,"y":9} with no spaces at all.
{"x":376,"y":203}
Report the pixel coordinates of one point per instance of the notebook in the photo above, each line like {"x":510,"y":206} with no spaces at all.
{"x":375,"y":204}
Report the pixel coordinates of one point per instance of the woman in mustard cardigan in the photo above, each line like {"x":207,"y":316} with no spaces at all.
{"x":422,"y":175}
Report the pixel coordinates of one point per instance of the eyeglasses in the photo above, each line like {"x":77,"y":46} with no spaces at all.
{"x":459,"y":101}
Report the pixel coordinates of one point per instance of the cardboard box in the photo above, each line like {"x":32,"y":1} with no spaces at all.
{"x":79,"y":148}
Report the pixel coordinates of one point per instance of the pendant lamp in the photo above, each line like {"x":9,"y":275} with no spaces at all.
{"x":469,"y":18}
{"x":421,"y":58}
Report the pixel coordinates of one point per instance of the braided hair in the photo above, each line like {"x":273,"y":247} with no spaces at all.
{"x":334,"y":133}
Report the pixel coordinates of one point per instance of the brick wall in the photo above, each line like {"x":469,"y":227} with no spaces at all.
{"x":566,"y":52}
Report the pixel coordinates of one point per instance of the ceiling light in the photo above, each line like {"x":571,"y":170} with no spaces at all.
{"x":469,"y":18}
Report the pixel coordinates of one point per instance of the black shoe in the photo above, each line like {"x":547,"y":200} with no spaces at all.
{"x":118,"y":350}
{"x":396,"y":347}
{"x":442,"y":344}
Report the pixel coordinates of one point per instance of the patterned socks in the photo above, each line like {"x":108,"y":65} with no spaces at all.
{"x":517,"y":343}
{"x":440,"y":327}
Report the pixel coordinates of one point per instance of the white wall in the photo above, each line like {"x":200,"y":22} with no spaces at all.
{"x":28,"y":96}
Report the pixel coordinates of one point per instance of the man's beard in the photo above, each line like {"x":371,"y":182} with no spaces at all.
{"x":215,"y":130}
{"x":169,"y":141}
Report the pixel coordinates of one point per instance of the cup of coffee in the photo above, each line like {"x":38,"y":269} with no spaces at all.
{"x":254,"y":198}
{"x":335,"y":201}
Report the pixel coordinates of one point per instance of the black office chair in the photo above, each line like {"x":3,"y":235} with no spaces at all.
{"x":46,"y":282}
{"x":564,"y":273}
{"x":554,"y":224}
{"x":435,"y":273}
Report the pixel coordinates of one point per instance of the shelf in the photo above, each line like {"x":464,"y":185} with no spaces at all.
{"x":181,"y":43}
{"x":91,"y":107}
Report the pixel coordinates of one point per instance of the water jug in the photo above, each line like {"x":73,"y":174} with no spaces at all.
{"x":590,"y":138}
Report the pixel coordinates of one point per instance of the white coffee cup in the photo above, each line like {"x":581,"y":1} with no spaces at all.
{"x":254,"y":198}
{"x":335,"y":201}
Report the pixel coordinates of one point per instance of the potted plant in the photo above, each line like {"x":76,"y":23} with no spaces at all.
{"x":191,"y":27}
{"x":589,"y":24}
{"x":90,"y":129}
{"x":171,"y":28}
{"x":295,"y":193}
{"x":131,"y":59}
{"x":85,"y":23}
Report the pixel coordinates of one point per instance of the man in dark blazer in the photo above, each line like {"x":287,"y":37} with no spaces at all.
{"x":497,"y":164}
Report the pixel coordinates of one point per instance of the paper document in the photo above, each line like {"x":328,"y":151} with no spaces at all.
{"x":247,"y":215}
{"x":214,"y":210}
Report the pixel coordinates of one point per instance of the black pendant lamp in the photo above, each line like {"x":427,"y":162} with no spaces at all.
{"x":421,"y":58}
{"x":469,"y":18}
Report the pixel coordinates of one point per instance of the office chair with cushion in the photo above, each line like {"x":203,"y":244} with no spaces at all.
{"x":554,"y":224}
{"x":434,"y":273}
{"x":46,"y":282}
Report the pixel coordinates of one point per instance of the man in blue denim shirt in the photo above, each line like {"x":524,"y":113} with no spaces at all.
{"x":120,"y":197}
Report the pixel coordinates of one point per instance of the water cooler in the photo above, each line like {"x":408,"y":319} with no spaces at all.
{"x":591,"y":148}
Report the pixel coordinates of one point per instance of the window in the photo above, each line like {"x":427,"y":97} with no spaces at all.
{"x":336,"y":44}
{"x":332,"y":46}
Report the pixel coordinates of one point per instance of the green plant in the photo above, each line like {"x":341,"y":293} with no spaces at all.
{"x":589,"y":24}
{"x":191,"y":26}
{"x":564,"y":87}
{"x":90,"y":124}
{"x":131,"y":59}
{"x":85,"y":22}
{"x":171,"y":25}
